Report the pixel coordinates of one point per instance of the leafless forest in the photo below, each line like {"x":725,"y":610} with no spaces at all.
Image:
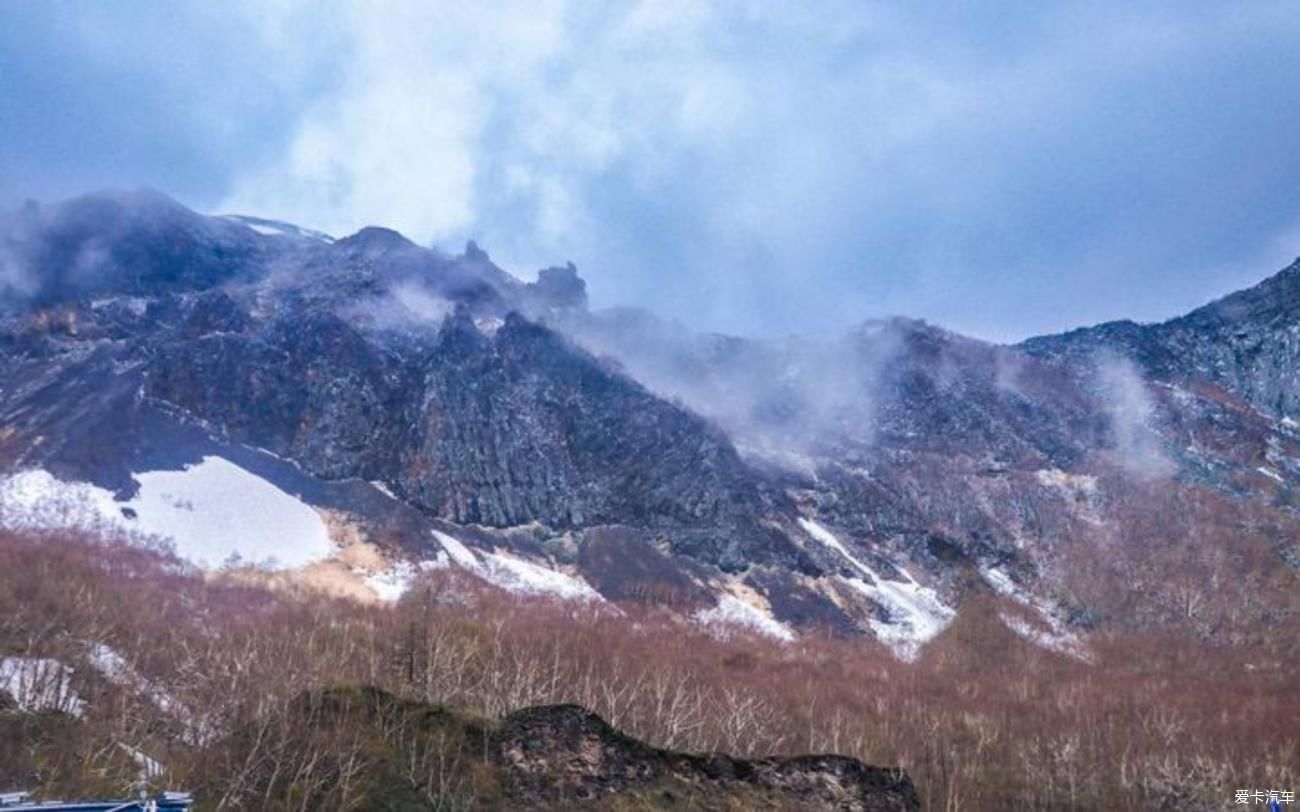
{"x":208,"y":678}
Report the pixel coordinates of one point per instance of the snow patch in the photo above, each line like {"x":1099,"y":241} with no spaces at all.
{"x":211,"y":511}
{"x":916,"y":614}
{"x":1052,"y":640}
{"x":488,"y":325}
{"x":1003,"y":585}
{"x":135,"y":305}
{"x":516,"y":575}
{"x":215,"y":509}
{"x":391,"y":584}
{"x":732,"y":611}
{"x":1079,"y":489}
{"x":520,"y":576}
{"x":35,"y":499}
{"x":828,"y":538}
{"x":1057,"y":637}
{"x":1179,"y":394}
{"x":150,"y":768}
{"x":115,"y":668}
{"x":273,"y":228}
{"x":1271,"y":474}
{"x":1075,"y":483}
{"x":40,"y":684}
{"x":459,"y":553}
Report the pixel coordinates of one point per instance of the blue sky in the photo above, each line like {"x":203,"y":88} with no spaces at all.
{"x":1003,"y":169}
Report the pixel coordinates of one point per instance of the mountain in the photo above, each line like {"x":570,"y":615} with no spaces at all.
{"x":166,"y":373}
{"x":1247,"y":343}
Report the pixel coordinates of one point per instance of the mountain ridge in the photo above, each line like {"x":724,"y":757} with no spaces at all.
{"x":866,"y":483}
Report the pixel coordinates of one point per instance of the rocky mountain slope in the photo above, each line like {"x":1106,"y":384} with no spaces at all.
{"x":435,"y":411}
{"x":1247,"y":343}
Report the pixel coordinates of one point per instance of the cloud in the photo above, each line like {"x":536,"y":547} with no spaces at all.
{"x":740,"y":165}
{"x":43,"y":252}
{"x":448,"y":122}
{"x":398,"y":141}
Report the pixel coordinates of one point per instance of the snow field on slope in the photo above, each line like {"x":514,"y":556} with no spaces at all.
{"x":916,"y":613}
{"x":210,"y":511}
{"x":514,"y":574}
{"x":732,"y":611}
{"x":391,"y":584}
{"x":216,"y":509}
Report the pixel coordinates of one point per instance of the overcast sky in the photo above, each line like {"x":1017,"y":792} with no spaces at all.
{"x":1003,"y":169}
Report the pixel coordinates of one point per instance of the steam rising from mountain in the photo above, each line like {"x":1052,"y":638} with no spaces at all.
{"x":1131,"y":412}
{"x":120,"y":241}
{"x":788,"y":395}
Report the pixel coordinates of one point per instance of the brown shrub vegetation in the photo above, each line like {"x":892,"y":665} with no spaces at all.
{"x":981,"y":721}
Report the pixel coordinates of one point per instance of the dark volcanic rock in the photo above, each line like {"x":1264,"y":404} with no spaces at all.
{"x":553,"y":757}
{"x":524,"y":426}
{"x":566,"y":754}
{"x":623,"y":564}
{"x":296,"y":346}
{"x":558,"y":288}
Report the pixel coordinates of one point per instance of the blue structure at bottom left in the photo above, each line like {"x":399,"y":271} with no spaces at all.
{"x":165,"y":802}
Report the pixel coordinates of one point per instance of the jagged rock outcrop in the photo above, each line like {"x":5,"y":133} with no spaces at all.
{"x":559,"y":288}
{"x":556,"y":757}
{"x":567,"y":754}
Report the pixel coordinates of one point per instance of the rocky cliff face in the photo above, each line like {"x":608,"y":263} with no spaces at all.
{"x":864,"y":484}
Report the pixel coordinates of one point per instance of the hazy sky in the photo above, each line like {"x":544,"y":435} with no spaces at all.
{"x":761,"y":167}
